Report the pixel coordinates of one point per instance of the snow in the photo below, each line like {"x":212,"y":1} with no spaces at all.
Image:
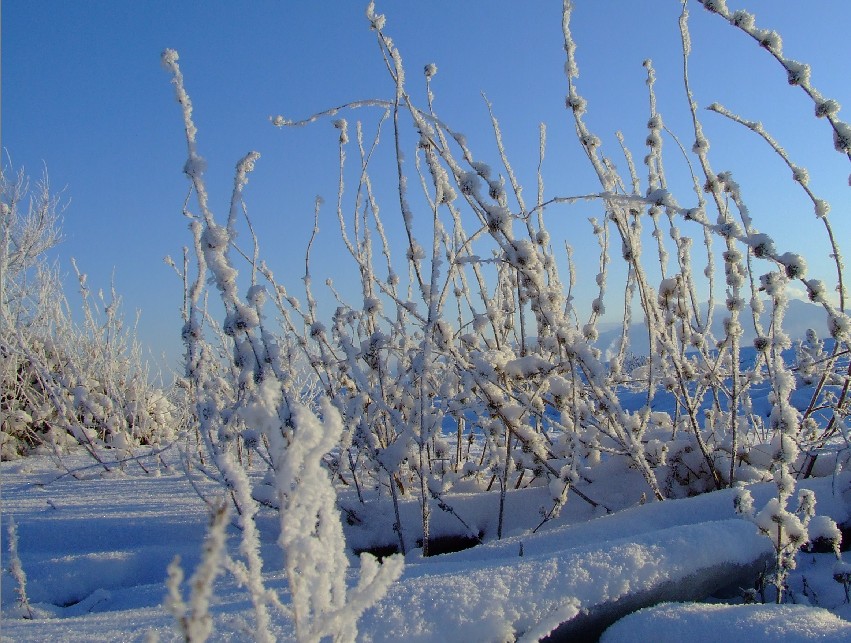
{"x":169,"y":551}
{"x":96,"y":552}
{"x":524,"y":593}
{"x":713,"y":622}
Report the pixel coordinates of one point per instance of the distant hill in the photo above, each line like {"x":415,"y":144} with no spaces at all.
{"x":800,"y":316}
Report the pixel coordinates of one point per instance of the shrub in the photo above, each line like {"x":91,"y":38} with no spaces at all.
{"x":66,"y":383}
{"x":478,"y":368}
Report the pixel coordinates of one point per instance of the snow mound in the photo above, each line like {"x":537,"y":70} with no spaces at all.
{"x":714,"y":622}
{"x":529,"y":596}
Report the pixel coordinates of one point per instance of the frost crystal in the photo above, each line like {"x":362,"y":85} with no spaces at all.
{"x":376,"y":20}
{"x":798,"y":73}
{"x":762,"y":245}
{"x":743,"y":19}
{"x":169,"y":57}
{"x":840,"y":326}
{"x":195,"y":166}
{"x":342,"y":125}
{"x":795,"y":265}
{"x":716,"y":6}
{"x":800,"y":175}
{"x":822,"y":208}
{"x":842,"y":137}
{"x":772,"y":283}
{"x":576,"y":103}
{"x":770,"y":40}
{"x":826,"y":107}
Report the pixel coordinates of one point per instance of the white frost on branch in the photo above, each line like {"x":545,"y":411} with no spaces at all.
{"x":311,"y":532}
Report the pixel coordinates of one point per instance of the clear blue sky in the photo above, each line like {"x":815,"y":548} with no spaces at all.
{"x":84,"y":94}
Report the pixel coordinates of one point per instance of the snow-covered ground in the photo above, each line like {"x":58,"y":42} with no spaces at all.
{"x":95,"y":553}
{"x":705,"y":622}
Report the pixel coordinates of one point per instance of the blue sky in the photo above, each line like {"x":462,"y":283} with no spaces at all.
{"x":84,"y":94}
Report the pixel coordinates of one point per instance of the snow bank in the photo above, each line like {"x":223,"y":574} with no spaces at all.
{"x":530,"y":595}
{"x":96,"y":551}
{"x":709,"y":622}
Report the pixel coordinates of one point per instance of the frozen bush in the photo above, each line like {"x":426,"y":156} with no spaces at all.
{"x":250,"y":395}
{"x":64,"y":382}
{"x":480,"y":369}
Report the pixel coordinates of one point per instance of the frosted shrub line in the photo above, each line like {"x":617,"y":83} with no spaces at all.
{"x":488,"y":368}
{"x":66,"y":383}
{"x":464,"y":359}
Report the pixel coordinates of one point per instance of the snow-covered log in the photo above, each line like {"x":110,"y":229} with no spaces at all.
{"x":577,"y":591}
